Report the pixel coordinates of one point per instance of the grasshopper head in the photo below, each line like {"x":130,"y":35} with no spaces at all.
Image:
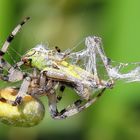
{"x":36,"y":57}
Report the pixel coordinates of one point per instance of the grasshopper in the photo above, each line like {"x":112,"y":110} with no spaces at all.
{"x":53,"y":69}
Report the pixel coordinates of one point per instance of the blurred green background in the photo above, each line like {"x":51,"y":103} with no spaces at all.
{"x":65,"y":23}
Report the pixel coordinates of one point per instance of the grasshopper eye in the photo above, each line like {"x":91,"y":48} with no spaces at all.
{"x":27,"y":61}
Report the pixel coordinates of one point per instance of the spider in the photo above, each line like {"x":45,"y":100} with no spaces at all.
{"x":55,"y":69}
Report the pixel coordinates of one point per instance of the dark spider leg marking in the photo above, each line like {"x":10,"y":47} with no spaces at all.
{"x":73,"y":109}
{"x":57,"y":49}
{"x":61,"y":90}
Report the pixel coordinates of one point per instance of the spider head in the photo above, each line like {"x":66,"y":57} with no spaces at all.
{"x":36,"y":57}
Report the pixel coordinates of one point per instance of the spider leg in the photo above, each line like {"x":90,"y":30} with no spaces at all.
{"x":52,"y":86}
{"x":71,"y":110}
{"x":52,"y":100}
{"x":13,"y":73}
{"x":47,"y":84}
{"x":5,"y":65}
{"x":22,"y":91}
{"x":11,"y":36}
